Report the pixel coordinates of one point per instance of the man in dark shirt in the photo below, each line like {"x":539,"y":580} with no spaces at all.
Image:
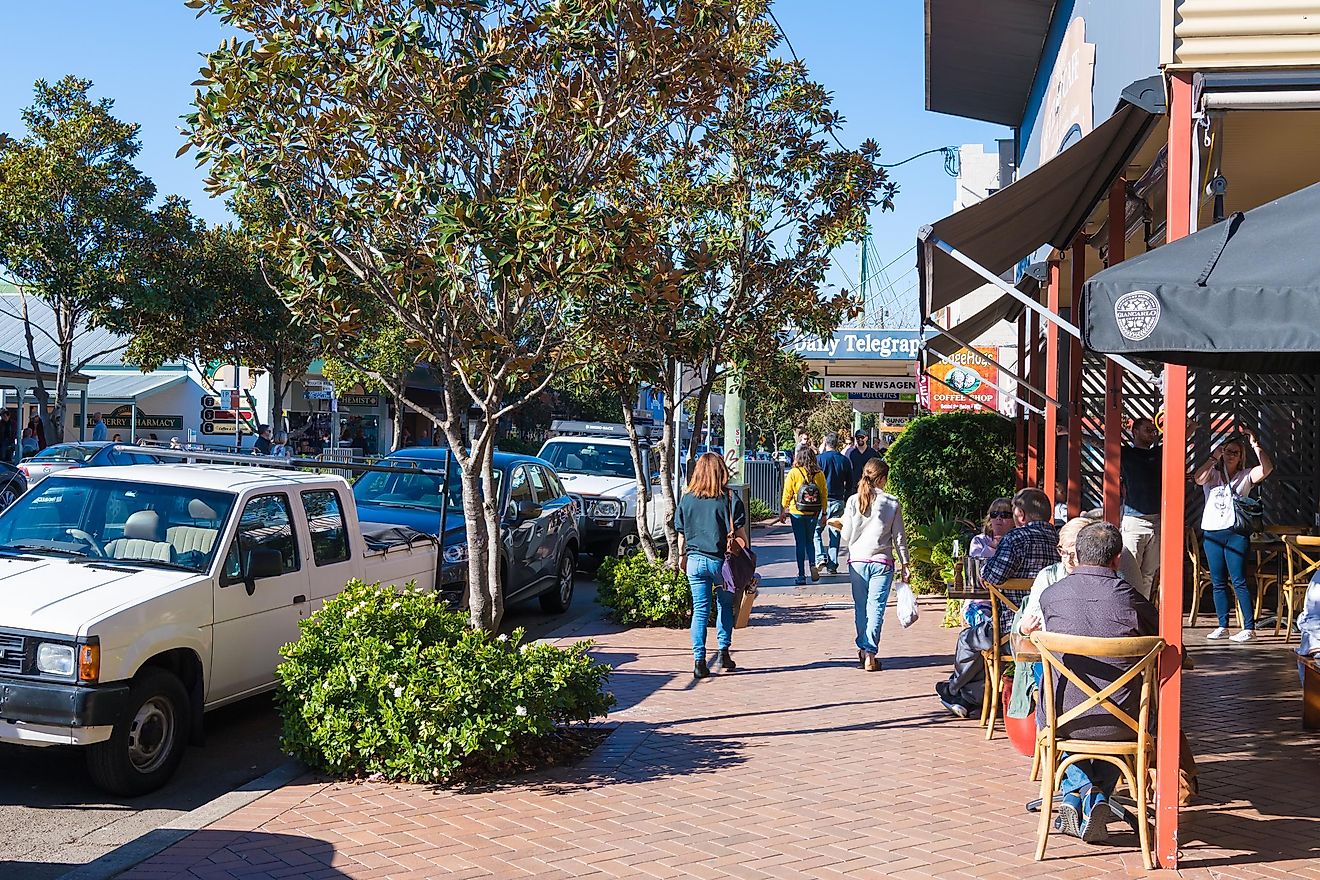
{"x":1094,"y":601}
{"x":1142,"y":483}
{"x":838,"y":486}
{"x":262,"y":445}
{"x":858,"y":455}
{"x":1033,"y":544}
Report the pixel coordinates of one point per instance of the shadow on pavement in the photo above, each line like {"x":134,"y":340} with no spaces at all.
{"x":215,"y":853}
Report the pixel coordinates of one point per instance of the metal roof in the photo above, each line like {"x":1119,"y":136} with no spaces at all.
{"x":131,"y":386}
{"x":98,"y":347}
{"x":981,"y":57}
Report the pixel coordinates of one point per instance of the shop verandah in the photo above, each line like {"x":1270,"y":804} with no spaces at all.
{"x":1124,"y":189}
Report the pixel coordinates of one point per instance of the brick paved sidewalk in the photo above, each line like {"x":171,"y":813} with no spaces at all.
{"x":799,"y":765}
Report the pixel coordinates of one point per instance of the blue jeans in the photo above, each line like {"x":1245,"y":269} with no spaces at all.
{"x":829,"y":552}
{"x":1100,"y":774}
{"x":705,"y":574}
{"x":870,"y":588}
{"x":1226,"y":557}
{"x":804,"y":539}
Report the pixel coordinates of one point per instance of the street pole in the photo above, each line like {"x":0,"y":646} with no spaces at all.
{"x":735,"y":425}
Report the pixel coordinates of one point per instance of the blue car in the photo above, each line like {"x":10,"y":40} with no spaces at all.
{"x":538,"y":555}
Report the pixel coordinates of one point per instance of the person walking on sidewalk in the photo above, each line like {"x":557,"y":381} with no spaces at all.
{"x":707,"y":515}
{"x":838,"y":486}
{"x":858,"y":455}
{"x":873,"y":529}
{"x":1223,"y":476}
{"x":804,"y":500}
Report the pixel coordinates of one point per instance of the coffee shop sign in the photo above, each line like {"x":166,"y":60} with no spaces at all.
{"x":858,"y":344}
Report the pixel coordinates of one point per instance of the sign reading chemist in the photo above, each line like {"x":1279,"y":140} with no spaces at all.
{"x":857,"y":343}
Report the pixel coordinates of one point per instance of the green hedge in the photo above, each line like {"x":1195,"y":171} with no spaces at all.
{"x":639,"y":592}
{"x":394,"y":683}
{"x":952,"y":463}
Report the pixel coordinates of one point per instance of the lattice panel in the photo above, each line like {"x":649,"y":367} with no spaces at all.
{"x":1283,"y":410}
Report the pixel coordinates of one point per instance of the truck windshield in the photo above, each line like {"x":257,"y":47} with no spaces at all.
{"x":585,"y":457}
{"x":138,"y":523}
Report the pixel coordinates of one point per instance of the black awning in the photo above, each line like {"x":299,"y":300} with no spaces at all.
{"x":1048,"y":206}
{"x":1242,"y":295}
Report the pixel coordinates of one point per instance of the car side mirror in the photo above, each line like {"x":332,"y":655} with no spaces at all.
{"x":526,"y":510}
{"x":262,"y":564}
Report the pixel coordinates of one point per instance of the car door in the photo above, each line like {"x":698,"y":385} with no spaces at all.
{"x":253,"y":618}
{"x":555,"y":510}
{"x":520,"y":541}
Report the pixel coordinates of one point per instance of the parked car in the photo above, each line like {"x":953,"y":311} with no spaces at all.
{"x":137,"y":598}
{"x":13,"y":483}
{"x":540,"y":534}
{"x":83,"y":454}
{"x":595,"y":462}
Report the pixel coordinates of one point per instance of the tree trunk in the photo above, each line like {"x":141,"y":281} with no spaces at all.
{"x":667,"y":445}
{"x":639,"y":472}
{"x":397,"y":440}
{"x":58,"y":415}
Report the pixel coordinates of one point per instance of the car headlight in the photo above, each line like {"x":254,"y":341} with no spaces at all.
{"x":55,"y":659}
{"x":456,"y":553}
{"x":606,"y":509}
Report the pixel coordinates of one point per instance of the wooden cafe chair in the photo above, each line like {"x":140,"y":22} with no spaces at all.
{"x":999,"y":651}
{"x":1133,"y":758}
{"x":1270,"y":562}
{"x":1303,"y":562}
{"x":1200,"y":576}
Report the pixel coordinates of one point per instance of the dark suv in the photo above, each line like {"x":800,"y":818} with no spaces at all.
{"x":540,"y":537}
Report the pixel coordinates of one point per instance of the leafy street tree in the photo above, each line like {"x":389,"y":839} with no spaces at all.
{"x":829,"y":416}
{"x":453,"y":160}
{"x":774,"y":386}
{"x":73,"y":213}
{"x":746,"y":204}
{"x":379,"y":359}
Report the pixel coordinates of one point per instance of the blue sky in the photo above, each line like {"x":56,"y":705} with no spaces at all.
{"x":145,"y":53}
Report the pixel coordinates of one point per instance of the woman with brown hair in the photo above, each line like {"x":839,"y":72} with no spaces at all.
{"x":877,"y":547}
{"x":706,"y":516}
{"x":804,"y":503}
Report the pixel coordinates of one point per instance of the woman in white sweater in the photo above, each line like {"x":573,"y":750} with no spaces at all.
{"x":872,"y":527}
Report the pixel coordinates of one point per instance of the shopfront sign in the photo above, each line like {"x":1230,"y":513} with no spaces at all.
{"x":964,"y":372}
{"x":857,"y":343}
{"x":366,"y":401}
{"x":121,"y":419}
{"x":871,"y":384}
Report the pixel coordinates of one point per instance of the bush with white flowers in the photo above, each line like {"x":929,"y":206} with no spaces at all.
{"x":392,"y":684}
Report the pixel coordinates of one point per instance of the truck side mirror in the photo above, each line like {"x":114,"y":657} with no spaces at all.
{"x":262,"y":563}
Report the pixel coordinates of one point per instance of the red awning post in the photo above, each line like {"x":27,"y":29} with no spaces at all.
{"x":1173,"y":509}
{"x":1113,"y":372}
{"x":1033,"y":420}
{"x":1075,"y":386}
{"x":1021,"y":421}
{"x":1050,"y":458}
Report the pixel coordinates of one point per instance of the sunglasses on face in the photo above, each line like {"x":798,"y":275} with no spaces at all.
{"x":1001,"y":514}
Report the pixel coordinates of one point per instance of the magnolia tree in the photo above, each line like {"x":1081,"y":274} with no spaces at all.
{"x":453,"y":162}
{"x":745,"y":205}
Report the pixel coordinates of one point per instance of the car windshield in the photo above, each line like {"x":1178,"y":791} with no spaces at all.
{"x":116,"y":520}
{"x":578,"y":457}
{"x":412,"y":490}
{"x":67,"y":453}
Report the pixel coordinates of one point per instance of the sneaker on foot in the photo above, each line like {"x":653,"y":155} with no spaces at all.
{"x":1217,"y":633}
{"x":799,"y":580}
{"x":1093,"y":828}
{"x":1245,"y":635}
{"x":958,"y":710}
{"x":1070,"y":814}
{"x":815,"y":573}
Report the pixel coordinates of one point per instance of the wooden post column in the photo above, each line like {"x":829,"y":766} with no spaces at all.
{"x":1033,"y":419}
{"x":1075,"y":408}
{"x":1050,"y":456}
{"x":1020,"y":424}
{"x":1113,"y":372}
{"x":1173,"y":508}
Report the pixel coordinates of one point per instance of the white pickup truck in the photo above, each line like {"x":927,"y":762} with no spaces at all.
{"x":134,"y":599}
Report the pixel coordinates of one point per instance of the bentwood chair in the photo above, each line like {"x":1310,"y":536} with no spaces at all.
{"x":1303,"y":562}
{"x":1200,"y":576}
{"x":1133,"y":758}
{"x":1270,"y":562}
{"x":999,"y":651}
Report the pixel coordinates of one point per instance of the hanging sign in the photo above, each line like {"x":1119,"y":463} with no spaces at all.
{"x":969,"y":374}
{"x":871,"y":384}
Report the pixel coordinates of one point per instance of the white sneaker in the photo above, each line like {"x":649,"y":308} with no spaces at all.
{"x":1245,"y":635}
{"x":1217,"y":633}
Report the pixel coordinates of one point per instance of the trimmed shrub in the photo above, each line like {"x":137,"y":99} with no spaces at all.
{"x":639,"y":592}
{"x":758,"y":510}
{"x":955,"y":463}
{"x":390,"y":683}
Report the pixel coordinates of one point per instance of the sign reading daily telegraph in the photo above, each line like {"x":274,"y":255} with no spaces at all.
{"x":969,"y":374}
{"x":857,"y":343}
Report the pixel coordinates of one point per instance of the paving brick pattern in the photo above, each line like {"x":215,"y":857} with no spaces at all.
{"x":799,"y":765}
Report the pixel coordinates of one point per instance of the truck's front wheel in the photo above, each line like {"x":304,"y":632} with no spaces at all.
{"x":148,"y":740}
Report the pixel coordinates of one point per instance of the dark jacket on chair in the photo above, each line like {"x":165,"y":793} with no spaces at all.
{"x":1095,"y":601}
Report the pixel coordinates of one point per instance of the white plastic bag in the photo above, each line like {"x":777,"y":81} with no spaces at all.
{"x":907,"y":605}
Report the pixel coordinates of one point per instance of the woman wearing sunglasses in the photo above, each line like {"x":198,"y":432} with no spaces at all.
{"x":998,"y":522}
{"x":1225,"y":548}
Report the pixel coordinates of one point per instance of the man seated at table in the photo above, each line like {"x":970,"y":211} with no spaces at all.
{"x":1094,"y":600}
{"x":1031,"y":545}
